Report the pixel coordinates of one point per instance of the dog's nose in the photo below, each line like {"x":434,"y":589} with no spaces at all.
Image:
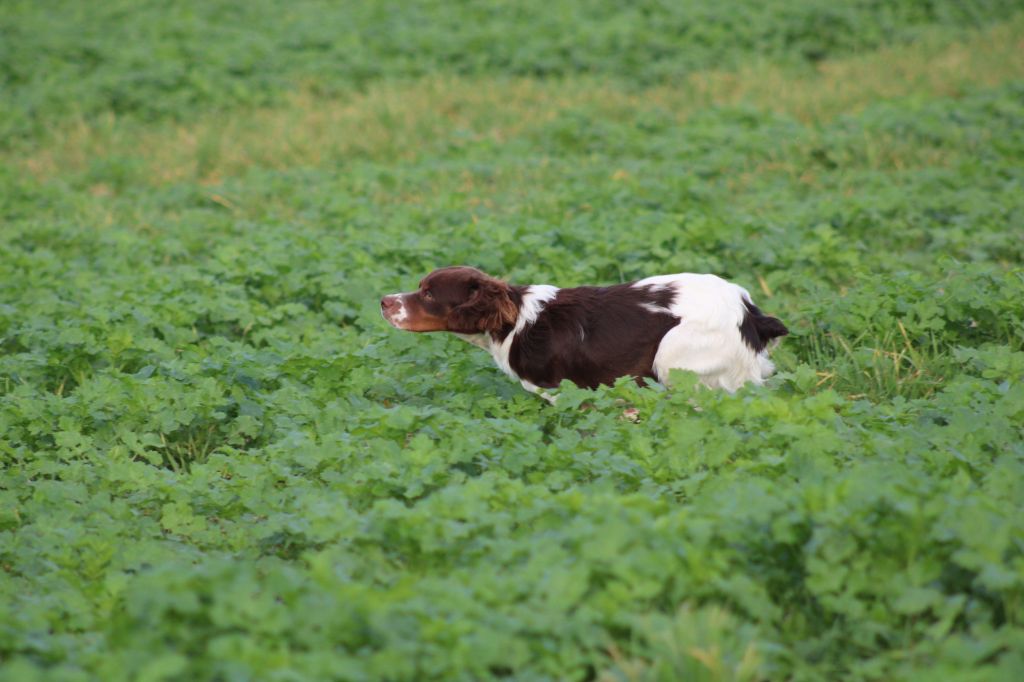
{"x":388,"y":303}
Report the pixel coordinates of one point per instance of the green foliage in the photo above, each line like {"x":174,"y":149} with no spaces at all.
{"x":167,"y":59}
{"x":218,"y":462}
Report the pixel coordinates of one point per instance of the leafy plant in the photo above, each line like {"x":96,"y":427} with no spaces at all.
{"x":218,"y":462}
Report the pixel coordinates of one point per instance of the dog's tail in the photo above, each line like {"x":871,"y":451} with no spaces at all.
{"x":758,"y":329}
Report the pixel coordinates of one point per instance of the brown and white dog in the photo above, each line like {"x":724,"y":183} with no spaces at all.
{"x":540,"y":334}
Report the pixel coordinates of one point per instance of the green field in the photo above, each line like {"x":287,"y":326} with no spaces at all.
{"x":217,"y":461}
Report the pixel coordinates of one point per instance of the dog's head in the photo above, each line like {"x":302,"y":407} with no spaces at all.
{"x":455,"y":299}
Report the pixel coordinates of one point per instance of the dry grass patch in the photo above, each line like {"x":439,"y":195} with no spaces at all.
{"x":930,"y":67}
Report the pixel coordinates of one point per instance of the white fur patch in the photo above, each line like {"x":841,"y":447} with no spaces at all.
{"x":533,"y":388}
{"x":400,"y":315}
{"x":655,"y":308}
{"x":707,"y":339}
{"x":653,"y":287}
{"x":534,"y":300}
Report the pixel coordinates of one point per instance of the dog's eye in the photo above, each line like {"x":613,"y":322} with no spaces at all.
{"x":427,"y":295}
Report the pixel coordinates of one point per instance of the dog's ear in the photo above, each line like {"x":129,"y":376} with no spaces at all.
{"x":489,"y":309}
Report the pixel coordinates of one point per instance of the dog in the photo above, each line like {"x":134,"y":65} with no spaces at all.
{"x":541,"y":335}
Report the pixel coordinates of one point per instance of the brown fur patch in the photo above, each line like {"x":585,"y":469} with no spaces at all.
{"x":489,"y":309}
